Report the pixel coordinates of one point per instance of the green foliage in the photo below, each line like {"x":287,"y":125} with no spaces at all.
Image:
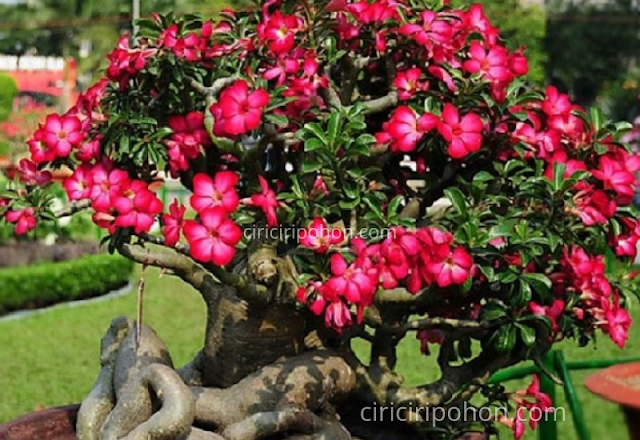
{"x":51,"y":283}
{"x":520,"y":26}
{"x":590,"y":45}
{"x":8,"y":91}
{"x":619,"y":98}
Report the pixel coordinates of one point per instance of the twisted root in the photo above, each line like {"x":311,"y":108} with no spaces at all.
{"x":139,"y":396}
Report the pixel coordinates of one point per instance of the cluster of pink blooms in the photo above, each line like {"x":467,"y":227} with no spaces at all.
{"x":213,"y":235}
{"x":531,"y":399}
{"x":188,"y":138}
{"x":117,"y":200}
{"x":599,"y":302}
{"x":598,"y":299}
{"x":239,"y":110}
{"x":125,"y":62}
{"x":405,"y":129}
{"x":417,"y":258}
{"x":555,"y":134}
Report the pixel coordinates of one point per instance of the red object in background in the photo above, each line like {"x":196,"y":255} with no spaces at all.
{"x":58,"y":82}
{"x":620,"y":384}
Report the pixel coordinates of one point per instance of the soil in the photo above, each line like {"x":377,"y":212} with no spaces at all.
{"x":30,"y":252}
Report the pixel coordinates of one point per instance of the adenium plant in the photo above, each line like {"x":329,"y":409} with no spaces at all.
{"x":430,"y":192}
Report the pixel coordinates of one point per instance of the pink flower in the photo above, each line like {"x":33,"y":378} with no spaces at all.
{"x":267,"y":201}
{"x":78,"y":186}
{"x":105,"y":186}
{"x":454,"y":269}
{"x":125,"y":62}
{"x":337,"y":315}
{"x":62,"y":133}
{"x":172,"y":223}
{"x":89,"y":150}
{"x":350,"y":281}
{"x":319,"y":237}
{"x":40,"y":150}
{"x":463,"y":134}
{"x":444,"y":76}
{"x":408,"y":83}
{"x":616,"y":176}
{"x":434,"y":30}
{"x":279,"y":31}
{"x":189,"y":136}
{"x":31,"y":175}
{"x":556,"y":103}
{"x":617,"y":322}
{"x":24,"y":220}
{"x":213,"y":238}
{"x":552,"y":312}
{"x":137,"y":207}
{"x":493,"y":63}
{"x":284,"y":67}
{"x":239,"y":110}
{"x":220,"y":191}
{"x":405,"y":129}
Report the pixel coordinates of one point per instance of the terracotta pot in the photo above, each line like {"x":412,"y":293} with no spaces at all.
{"x":60,"y":424}
{"x":49,"y":424}
{"x":620,"y":384}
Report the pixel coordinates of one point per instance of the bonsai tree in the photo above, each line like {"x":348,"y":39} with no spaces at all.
{"x":358,"y":170}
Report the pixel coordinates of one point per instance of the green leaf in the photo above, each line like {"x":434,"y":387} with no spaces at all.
{"x":480,"y":180}
{"x":490,"y":313}
{"x":527,"y":334}
{"x":365,"y":139}
{"x":597,"y":120}
{"x":310,"y":166}
{"x":317,"y":131}
{"x":501,"y":230}
{"x":276,"y":119}
{"x":457,"y":199}
{"x":394,"y":205}
{"x":123,"y":144}
{"x":313,"y":144}
{"x":349,"y":204}
{"x":505,"y":338}
{"x":374,"y":205}
{"x":335,"y":121}
{"x":537,"y":280}
{"x":558,"y":175}
{"x":351,"y":189}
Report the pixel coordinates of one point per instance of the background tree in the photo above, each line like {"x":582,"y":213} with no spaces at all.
{"x":589,"y":45}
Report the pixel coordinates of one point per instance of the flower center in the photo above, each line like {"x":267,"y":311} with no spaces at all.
{"x":62,"y":135}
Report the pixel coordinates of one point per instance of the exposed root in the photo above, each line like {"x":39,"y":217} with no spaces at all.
{"x":265,"y":424}
{"x":133,"y":417}
{"x":99,"y":403}
{"x":134,"y":356}
{"x":307,"y":381}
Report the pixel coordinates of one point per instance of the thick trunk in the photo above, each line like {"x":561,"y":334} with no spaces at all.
{"x":240,"y":340}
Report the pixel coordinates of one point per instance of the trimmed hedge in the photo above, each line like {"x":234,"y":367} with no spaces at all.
{"x":46,"y":284}
{"x":8,"y":91}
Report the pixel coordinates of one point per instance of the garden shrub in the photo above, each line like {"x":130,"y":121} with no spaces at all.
{"x":50,"y":283}
{"x":8,"y":91}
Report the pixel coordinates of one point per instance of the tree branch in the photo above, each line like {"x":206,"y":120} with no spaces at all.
{"x":182,"y":266}
{"x":444,"y":324}
{"x":214,"y":89}
{"x":225,"y":277}
{"x":73,"y":208}
{"x":381,"y":104}
{"x":329,"y":94}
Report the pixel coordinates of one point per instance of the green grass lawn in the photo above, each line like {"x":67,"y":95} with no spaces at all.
{"x":52,"y":359}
